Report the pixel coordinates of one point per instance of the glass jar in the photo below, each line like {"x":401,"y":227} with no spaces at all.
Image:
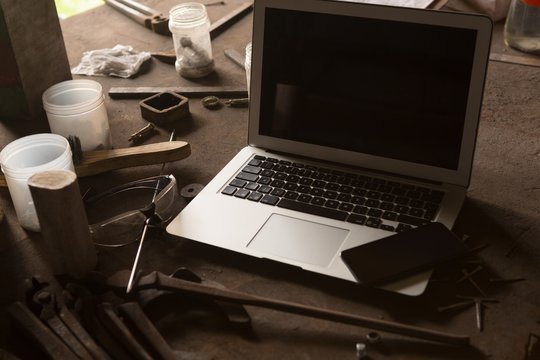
{"x":189,"y":25}
{"x":522,"y":27}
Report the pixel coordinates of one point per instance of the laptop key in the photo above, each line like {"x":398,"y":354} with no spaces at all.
{"x":416,"y":212}
{"x":264,"y":180}
{"x":242,"y":193}
{"x":291,"y":195}
{"x":278,"y":192}
{"x":269,"y":199}
{"x":252,"y":186}
{"x":357,"y":219}
{"x":229,"y":190}
{"x":312,"y":209}
{"x":411,"y":220}
{"x":331,"y":204}
{"x":255,"y":162}
{"x":265,"y":189}
{"x":403,"y":227}
{"x":389,"y":215}
{"x":247,"y":176}
{"x":373,"y":222}
{"x":252,"y":169}
{"x":387,"y":227}
{"x":238,"y":183}
{"x":305,"y":198}
{"x":377,"y":213}
{"x":255,"y":196}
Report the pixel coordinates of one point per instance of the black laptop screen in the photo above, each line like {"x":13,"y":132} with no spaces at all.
{"x":385,"y":88}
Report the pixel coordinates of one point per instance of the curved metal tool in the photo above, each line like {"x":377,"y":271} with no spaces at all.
{"x":160,"y":281}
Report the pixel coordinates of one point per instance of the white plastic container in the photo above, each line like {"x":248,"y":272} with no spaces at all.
{"x":26,"y":156}
{"x":77,"y":108}
{"x":190,"y":28}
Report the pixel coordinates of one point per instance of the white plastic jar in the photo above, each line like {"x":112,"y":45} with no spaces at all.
{"x":77,"y":108}
{"x":26,"y":156}
{"x":190,"y":28}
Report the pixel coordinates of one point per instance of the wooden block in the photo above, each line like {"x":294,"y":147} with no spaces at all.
{"x":33,"y":57}
{"x":63,"y":221}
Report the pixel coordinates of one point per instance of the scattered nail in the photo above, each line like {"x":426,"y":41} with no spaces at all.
{"x":498,"y":280}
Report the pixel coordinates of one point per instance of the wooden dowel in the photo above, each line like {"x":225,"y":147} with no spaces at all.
{"x":63,"y":221}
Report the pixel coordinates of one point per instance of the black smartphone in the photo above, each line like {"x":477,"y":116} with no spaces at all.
{"x":402,"y":254}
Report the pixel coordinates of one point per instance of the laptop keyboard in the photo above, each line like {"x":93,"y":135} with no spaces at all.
{"x":334,"y":194}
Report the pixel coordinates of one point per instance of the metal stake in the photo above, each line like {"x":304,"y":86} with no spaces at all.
{"x":143,"y":235}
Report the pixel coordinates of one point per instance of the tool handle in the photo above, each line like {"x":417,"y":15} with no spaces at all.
{"x":140,"y":7}
{"x":96,"y":162}
{"x":100,"y":161}
{"x":141,"y":18}
{"x":167,"y":283}
{"x":39,"y":332}
{"x":135,"y":317}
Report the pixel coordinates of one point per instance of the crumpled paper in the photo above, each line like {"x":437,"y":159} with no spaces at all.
{"x":120,"y":61}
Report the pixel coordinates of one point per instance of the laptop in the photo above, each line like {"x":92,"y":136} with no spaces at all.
{"x":362,"y":123}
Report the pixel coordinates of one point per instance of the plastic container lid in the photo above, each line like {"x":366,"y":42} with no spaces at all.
{"x":72,"y":97}
{"x":35,"y":153}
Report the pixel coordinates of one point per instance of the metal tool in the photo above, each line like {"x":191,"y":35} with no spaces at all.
{"x":192,"y":91}
{"x":53,"y":312}
{"x":134,"y":315}
{"x":152,"y":219}
{"x":236,"y":57}
{"x":142,"y":134}
{"x":159,"y":281}
{"x":142,"y":14}
{"x":468,"y":276}
{"x":458,"y":305}
{"x":479,"y":304}
{"x":87,"y":309}
{"x":40,"y":333}
{"x":508,"y":280}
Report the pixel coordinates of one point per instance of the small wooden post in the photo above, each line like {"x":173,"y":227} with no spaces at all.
{"x":63,"y":221}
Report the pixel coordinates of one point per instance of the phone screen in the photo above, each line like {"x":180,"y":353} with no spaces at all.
{"x":402,"y":254}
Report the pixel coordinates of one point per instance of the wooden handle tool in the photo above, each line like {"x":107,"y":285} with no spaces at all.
{"x":100,"y":161}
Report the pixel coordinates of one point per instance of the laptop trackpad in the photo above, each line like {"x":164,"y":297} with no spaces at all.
{"x":299,"y":240}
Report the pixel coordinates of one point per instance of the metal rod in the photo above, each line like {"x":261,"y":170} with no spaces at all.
{"x":143,"y":235}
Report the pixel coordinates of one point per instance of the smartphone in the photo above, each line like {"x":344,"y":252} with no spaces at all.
{"x":402,"y":254}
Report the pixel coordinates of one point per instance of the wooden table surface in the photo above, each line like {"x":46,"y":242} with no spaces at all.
{"x":501,"y":216}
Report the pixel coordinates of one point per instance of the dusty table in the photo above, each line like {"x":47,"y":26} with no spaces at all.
{"x":502,"y":211}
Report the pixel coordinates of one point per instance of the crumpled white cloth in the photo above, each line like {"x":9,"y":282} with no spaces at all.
{"x":120,"y":61}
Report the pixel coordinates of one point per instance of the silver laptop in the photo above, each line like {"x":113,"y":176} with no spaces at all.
{"x":362,"y":123}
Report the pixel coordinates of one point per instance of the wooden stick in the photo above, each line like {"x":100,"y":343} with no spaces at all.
{"x":63,"y":221}
{"x":156,"y":280}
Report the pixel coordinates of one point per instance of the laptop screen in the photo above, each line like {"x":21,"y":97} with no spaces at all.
{"x":390,"y":89}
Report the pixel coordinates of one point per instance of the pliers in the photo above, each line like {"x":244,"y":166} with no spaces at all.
{"x":48,"y":304}
{"x":148,"y":17}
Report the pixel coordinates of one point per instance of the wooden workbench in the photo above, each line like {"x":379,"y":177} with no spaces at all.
{"x":502,"y":211}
